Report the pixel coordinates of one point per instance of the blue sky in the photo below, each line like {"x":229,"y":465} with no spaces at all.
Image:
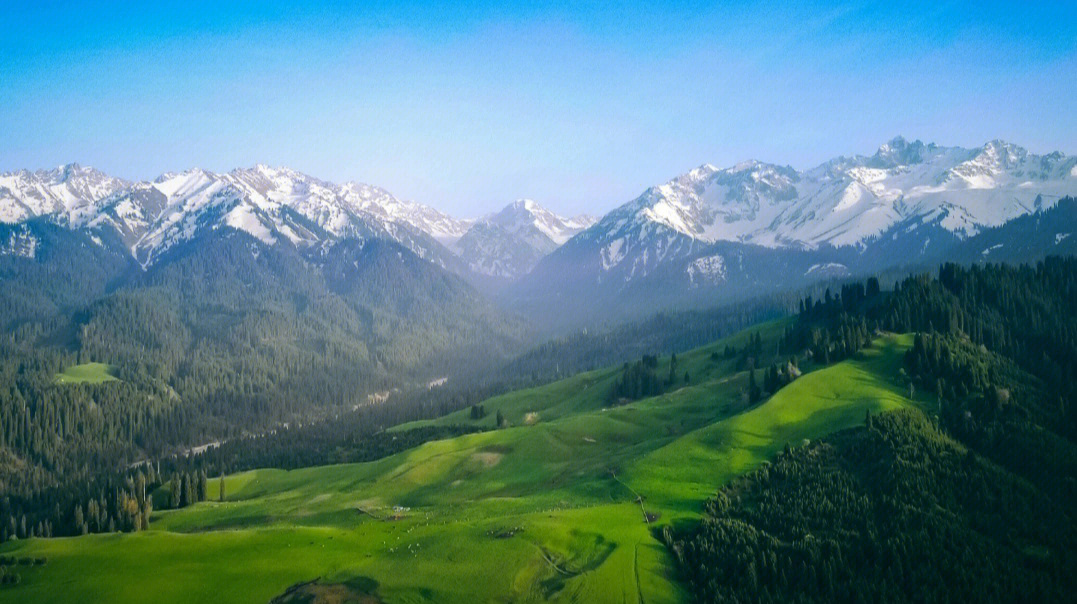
{"x":580,"y":106}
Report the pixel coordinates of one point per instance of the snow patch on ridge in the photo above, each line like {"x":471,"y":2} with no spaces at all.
{"x":612,"y":254}
{"x":21,"y":243}
{"x":827,"y":268}
{"x":709,"y":269}
{"x":242,"y":218}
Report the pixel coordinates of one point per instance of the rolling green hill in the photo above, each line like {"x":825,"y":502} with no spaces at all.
{"x":551,"y":507}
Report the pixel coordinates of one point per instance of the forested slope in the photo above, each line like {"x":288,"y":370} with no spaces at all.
{"x":971,"y":499}
{"x":224,"y":336}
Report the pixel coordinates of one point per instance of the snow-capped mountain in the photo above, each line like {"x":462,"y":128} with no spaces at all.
{"x":379,"y":202}
{"x":67,"y":190}
{"x":919,"y":198}
{"x":509,"y":243}
{"x":846,"y":201}
{"x":755,"y":227}
{"x":271,"y":204}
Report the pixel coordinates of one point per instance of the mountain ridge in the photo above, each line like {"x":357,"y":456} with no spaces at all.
{"x":507,"y":244}
{"x":846,"y":201}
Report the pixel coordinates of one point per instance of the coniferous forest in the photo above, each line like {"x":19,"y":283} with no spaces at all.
{"x":969,"y":498}
{"x":273,"y":360}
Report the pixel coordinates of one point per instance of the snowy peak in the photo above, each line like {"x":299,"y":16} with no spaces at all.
{"x":849,"y":200}
{"x":528,"y":219}
{"x":271,"y":204}
{"x":580,"y":222}
{"x":509,"y":243}
{"x":375,"y":200}
{"x":25,"y":194}
{"x":900,"y":152}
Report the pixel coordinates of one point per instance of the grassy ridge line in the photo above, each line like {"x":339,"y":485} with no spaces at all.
{"x":588,"y":391}
{"x":550,"y":479}
{"x":686,"y":471}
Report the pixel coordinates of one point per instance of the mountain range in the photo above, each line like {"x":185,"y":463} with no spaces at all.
{"x":755,"y":227}
{"x":709,"y":233}
{"x":278,"y":205}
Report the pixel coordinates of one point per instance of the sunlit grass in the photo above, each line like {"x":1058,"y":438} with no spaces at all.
{"x":87,"y":373}
{"x":544,"y":509}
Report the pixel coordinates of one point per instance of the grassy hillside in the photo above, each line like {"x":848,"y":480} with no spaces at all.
{"x":544,"y":509}
{"x":86,"y":373}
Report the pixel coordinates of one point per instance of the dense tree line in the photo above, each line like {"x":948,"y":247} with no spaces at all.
{"x":639,"y":380}
{"x":187,"y":488}
{"x":109,"y":502}
{"x":1022,"y":313}
{"x":314,"y":444}
{"x":666,"y":332}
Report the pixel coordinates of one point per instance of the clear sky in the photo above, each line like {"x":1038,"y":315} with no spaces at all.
{"x":579,"y":106}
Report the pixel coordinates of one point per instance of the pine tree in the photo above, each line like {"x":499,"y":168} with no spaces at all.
{"x":79,"y":520}
{"x":188,"y":490}
{"x":174,"y":491}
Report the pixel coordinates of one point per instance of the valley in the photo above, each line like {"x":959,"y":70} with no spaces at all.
{"x":542,"y":509}
{"x":606,"y":485}
{"x":422,"y":303}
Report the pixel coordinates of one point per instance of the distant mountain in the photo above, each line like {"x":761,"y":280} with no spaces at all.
{"x":845,"y":201}
{"x":271,"y":204}
{"x":66,"y":191}
{"x":379,"y":202}
{"x":337,"y":279}
{"x":368,"y":309}
{"x":509,"y":243}
{"x":719,"y":232}
{"x":708,"y":234}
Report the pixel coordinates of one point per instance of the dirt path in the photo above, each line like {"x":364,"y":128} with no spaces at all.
{"x":639,"y":498}
{"x":635,"y":571}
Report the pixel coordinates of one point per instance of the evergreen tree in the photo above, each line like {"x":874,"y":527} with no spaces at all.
{"x":175,"y":488}
{"x":753,"y":388}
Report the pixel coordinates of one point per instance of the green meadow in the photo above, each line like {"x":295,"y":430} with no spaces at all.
{"x":86,"y":373}
{"x":549,"y":508}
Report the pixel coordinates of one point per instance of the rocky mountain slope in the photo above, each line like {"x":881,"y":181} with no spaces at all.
{"x":509,"y":243}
